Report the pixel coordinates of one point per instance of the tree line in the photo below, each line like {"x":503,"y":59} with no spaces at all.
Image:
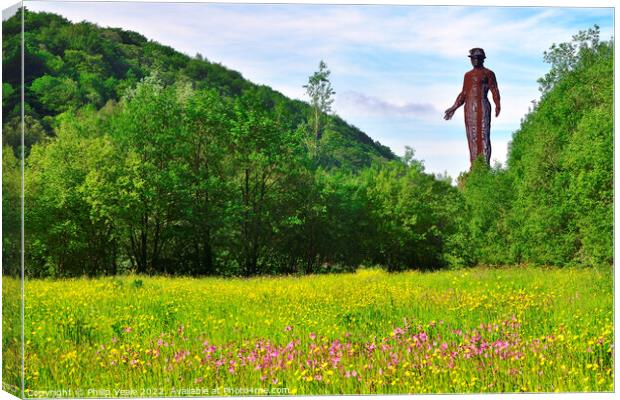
{"x":180,"y":181}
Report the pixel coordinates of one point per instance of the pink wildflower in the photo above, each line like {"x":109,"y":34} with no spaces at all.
{"x":180,"y":355}
{"x":398,"y":331}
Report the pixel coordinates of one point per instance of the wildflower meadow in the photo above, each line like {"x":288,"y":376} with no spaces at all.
{"x":475,"y":330}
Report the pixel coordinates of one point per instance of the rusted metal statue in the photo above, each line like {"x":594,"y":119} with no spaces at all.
{"x":476,"y":85}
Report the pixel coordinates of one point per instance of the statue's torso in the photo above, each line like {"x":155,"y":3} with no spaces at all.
{"x":477,"y":111}
{"x":476,"y":84}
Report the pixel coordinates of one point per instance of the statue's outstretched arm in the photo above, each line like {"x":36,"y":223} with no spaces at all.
{"x":495,"y":92}
{"x":460,"y":100}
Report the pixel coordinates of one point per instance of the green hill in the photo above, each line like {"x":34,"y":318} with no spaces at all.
{"x":553,"y":203}
{"x":70,"y":65}
{"x":142,"y":159}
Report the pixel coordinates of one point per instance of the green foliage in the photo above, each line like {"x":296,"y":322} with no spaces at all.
{"x":64,"y":238}
{"x":557,"y":149}
{"x":11,"y":212}
{"x":145,"y":186}
{"x":553,"y":204}
{"x":71,"y":65}
{"x":320,"y":91}
{"x":33,"y":132}
{"x":413,"y":216}
{"x":56,"y":95}
{"x":488,"y":196}
{"x":7,"y":91}
{"x":590,"y":185}
{"x":267,"y":158}
{"x":564,"y":57}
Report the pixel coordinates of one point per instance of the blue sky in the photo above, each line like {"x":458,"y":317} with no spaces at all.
{"x":394,"y":68}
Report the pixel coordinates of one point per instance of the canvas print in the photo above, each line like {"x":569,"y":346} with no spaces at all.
{"x":220,"y":199}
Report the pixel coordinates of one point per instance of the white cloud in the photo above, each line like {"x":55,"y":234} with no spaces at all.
{"x":352,"y":103}
{"x":443,"y":31}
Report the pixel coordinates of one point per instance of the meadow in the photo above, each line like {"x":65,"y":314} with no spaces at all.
{"x":519,"y":329}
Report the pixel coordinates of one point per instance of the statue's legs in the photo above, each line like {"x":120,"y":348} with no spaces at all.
{"x":473,"y":128}
{"x":478,"y":128}
{"x":486,"y":131}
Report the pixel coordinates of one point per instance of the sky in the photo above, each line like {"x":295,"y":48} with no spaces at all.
{"x":395,"y":69}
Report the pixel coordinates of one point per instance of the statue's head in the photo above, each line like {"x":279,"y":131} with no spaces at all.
{"x":477,"y":56}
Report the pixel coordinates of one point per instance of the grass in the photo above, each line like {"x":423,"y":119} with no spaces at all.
{"x":476,"y":330}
